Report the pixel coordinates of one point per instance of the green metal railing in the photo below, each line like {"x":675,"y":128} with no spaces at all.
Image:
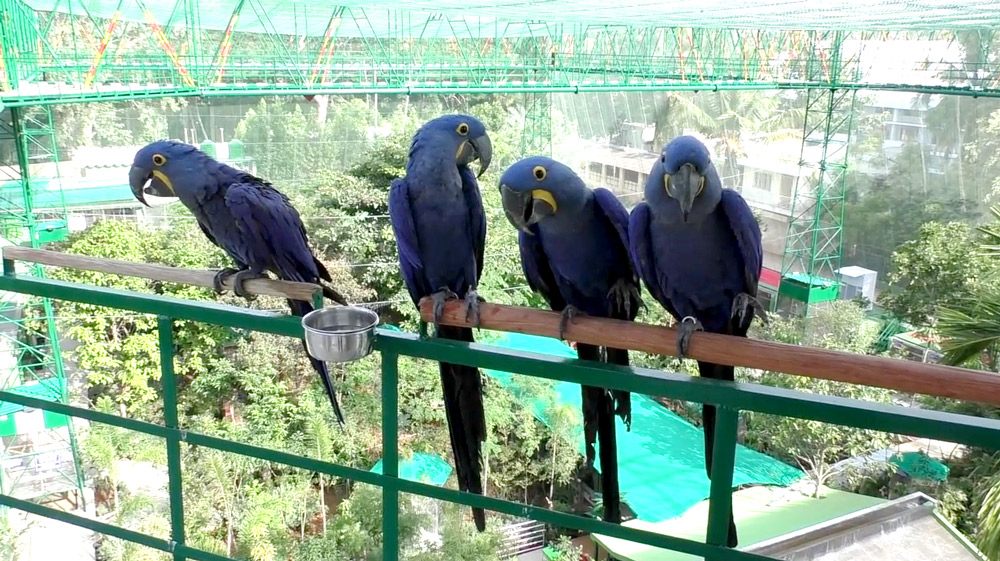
{"x":730,"y":397}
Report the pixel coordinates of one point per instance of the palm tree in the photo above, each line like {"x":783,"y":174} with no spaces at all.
{"x":974,"y":328}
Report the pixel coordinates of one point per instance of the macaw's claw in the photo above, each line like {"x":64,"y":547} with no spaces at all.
{"x":745,"y":307}
{"x":239,"y":278}
{"x":568,"y":314}
{"x":472,"y":300}
{"x":220,"y":278}
{"x":621,"y":296}
{"x":688,"y":326}
{"x":439,"y":298}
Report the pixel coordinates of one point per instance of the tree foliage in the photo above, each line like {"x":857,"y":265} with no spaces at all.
{"x":812,"y":445}
{"x":937,"y":270}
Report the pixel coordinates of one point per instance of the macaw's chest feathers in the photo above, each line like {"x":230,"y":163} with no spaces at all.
{"x":707,"y":266}
{"x":586,"y":257}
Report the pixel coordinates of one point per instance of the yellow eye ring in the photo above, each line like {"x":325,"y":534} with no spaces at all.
{"x":159,"y":159}
{"x":462,"y":129}
{"x":539,"y":173}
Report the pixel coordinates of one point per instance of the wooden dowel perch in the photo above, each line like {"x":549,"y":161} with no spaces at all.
{"x":163,"y":273}
{"x":889,"y":373}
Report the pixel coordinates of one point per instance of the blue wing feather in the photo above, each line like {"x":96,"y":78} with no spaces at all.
{"x":748,"y":236}
{"x":615,"y":211}
{"x":477,"y":217}
{"x":271,"y":232}
{"x":643,"y":259}
{"x":537,"y":270}
{"x":401,"y":217}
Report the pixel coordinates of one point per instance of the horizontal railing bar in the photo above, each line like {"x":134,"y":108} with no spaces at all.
{"x":156,"y":304}
{"x":953,"y":427}
{"x":277,"y":456}
{"x":144,"y":427}
{"x":963,"y":429}
{"x":889,"y":373}
{"x":975,"y":431}
{"x":576,"y":521}
{"x":152,"y":542}
{"x":164,"y":273}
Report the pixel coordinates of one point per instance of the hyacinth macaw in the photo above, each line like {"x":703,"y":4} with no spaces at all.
{"x":574,"y":252}
{"x":440,"y":227}
{"x":247,"y":217}
{"x":697,"y":247}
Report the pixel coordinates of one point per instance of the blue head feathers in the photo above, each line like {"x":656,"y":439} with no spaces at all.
{"x":462,"y":135}
{"x":538,"y":187}
{"x":167,"y":168}
{"x":684,"y":184}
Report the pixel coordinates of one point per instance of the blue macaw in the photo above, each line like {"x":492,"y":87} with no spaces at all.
{"x":440,"y":227}
{"x":574,"y":251}
{"x":247,"y":217}
{"x":697,"y":247}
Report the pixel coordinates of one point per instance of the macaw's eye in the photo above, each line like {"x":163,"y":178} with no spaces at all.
{"x":539,"y":173}
{"x":159,"y":159}
{"x":462,"y":129}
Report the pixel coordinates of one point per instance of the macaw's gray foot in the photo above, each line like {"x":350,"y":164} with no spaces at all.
{"x":472,"y":300}
{"x":622,"y":295}
{"x":688,"y":326}
{"x":239,"y":278}
{"x":439,"y":298}
{"x":569,"y":313}
{"x":220,"y":277}
{"x":745,"y":307}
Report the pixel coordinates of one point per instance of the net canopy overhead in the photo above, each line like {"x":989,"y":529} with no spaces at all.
{"x":483,"y":18}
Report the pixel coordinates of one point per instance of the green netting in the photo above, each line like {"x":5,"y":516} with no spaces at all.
{"x":661,"y":460}
{"x":422,"y":468}
{"x":485,"y":18}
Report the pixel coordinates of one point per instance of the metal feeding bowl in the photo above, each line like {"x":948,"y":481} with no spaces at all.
{"x":340,"y":334}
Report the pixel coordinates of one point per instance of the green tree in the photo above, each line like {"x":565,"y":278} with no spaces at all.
{"x":936,"y":270}
{"x":120,"y":352}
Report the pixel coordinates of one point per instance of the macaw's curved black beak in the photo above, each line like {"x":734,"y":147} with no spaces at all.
{"x":138,"y":178}
{"x":686,"y":185}
{"x":482,"y":149}
{"x":523,"y":208}
{"x":144,"y":182}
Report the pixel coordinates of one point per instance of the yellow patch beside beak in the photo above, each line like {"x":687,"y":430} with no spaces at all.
{"x":165,"y":180}
{"x":544,"y":195}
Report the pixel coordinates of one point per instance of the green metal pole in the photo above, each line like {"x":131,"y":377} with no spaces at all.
{"x":390,"y":456}
{"x":169,"y":381}
{"x":720,"y":503}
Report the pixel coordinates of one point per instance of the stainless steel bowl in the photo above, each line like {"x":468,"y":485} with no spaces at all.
{"x":340,"y":334}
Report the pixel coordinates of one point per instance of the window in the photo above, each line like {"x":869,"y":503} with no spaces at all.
{"x":787,"y":184}
{"x":762,"y":181}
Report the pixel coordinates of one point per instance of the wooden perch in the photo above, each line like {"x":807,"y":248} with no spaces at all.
{"x":893,"y":374}
{"x":194,"y":277}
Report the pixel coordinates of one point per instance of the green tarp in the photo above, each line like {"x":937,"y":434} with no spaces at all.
{"x":661,"y":461}
{"x":422,"y":468}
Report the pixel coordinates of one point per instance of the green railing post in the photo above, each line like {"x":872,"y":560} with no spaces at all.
{"x":390,"y":456}
{"x":723,"y":461}
{"x":169,"y":381}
